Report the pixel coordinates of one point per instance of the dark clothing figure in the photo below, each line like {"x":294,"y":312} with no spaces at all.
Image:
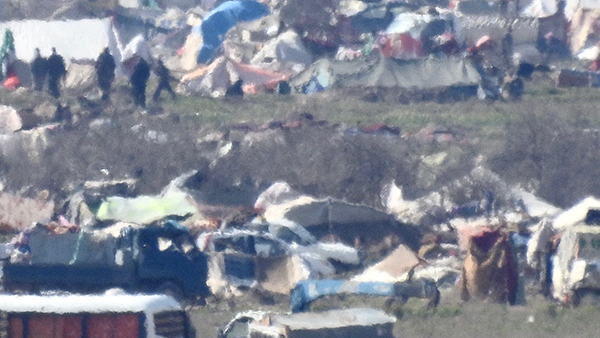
{"x":138,"y":80}
{"x":553,"y":48}
{"x":163,"y":81}
{"x":105,"y":72}
{"x":39,"y":70}
{"x":236,"y":89}
{"x":56,"y":71}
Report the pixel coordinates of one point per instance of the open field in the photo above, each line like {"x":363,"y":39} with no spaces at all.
{"x":452,"y":319}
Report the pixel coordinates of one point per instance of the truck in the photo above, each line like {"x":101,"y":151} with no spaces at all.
{"x":576,"y":265}
{"x":93,"y":316}
{"x":156,"y":259}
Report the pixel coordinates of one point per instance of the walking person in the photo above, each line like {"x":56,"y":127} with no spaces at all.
{"x":39,"y":70}
{"x":138,"y":80}
{"x":56,"y":72}
{"x":163,"y":81}
{"x":105,"y":72}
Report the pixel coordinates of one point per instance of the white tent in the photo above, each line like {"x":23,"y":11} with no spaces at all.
{"x":73,"y":39}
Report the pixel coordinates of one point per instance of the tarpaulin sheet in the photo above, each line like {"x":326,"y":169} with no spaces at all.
{"x":390,"y":73}
{"x":225,"y":16}
{"x":214,"y":79}
{"x":309,"y":290}
{"x":416,"y":74}
{"x":147,"y":209}
{"x":73,"y":39}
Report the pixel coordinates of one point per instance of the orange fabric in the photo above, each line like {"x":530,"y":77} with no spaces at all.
{"x":12,"y":82}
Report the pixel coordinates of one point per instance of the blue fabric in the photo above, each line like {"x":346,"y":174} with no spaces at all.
{"x":306,"y":291}
{"x":221,"y":19}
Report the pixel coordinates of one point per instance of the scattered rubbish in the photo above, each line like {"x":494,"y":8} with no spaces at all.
{"x":354,"y":322}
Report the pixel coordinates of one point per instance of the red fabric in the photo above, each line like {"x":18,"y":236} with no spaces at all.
{"x":595,"y":65}
{"x":69,"y":326}
{"x":126,"y":325}
{"x":15,"y":324}
{"x":400,"y":46}
{"x":99,"y":326}
{"x":41,"y":326}
{"x":12,"y":82}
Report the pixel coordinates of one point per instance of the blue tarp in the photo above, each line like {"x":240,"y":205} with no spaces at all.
{"x":307,"y":291}
{"x":221,"y":19}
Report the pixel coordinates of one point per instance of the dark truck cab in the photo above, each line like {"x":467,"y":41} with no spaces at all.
{"x":161,"y":259}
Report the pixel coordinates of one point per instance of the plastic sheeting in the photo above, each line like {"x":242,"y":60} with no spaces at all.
{"x":73,"y":39}
{"x":221,"y":19}
{"x":393,"y":268}
{"x":389,"y":73}
{"x":214,"y":79}
{"x":147,"y":209}
{"x":287,"y":47}
{"x":9,"y":120}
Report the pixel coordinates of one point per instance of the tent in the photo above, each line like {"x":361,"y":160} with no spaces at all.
{"x":343,"y":221}
{"x":73,"y":39}
{"x":425,"y":74}
{"x":221,"y":19}
{"x":286,"y":48}
{"x":214,"y":79}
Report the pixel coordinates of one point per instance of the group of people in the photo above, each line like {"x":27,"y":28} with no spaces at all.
{"x":53,"y":68}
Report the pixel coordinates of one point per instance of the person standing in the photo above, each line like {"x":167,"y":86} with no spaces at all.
{"x":56,"y":72}
{"x":39,"y":70}
{"x":163,"y":81}
{"x":105,"y":72}
{"x":138,"y":80}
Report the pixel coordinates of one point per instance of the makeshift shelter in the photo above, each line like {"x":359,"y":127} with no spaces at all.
{"x":583,"y":17}
{"x":345,"y":222}
{"x":221,"y":19}
{"x":395,"y":267}
{"x":214,"y":79}
{"x":73,"y":39}
{"x":576,"y":214}
{"x":423,"y":75}
{"x":286,"y":48}
{"x":489,"y":270}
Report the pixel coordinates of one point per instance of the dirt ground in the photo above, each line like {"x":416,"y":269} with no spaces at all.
{"x":537,"y":318}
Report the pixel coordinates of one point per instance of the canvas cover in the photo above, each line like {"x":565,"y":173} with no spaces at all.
{"x":540,"y":9}
{"x":73,"y":39}
{"x":9,"y":120}
{"x":393,"y":268}
{"x":489,"y":270}
{"x":582,"y":26}
{"x":287,"y":47}
{"x":422,"y":74}
{"x":83,"y":248}
{"x":214,"y":79}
